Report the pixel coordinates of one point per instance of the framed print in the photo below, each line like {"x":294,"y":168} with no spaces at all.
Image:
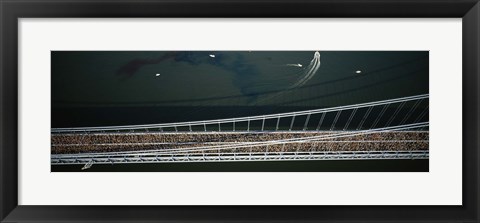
{"x":204,"y":111}
{"x":267,"y":111}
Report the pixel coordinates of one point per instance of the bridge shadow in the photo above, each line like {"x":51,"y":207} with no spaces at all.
{"x":271,"y":92}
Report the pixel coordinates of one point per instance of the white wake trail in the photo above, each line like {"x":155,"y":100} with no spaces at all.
{"x":310,"y":71}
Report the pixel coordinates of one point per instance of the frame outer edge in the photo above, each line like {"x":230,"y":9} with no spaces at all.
{"x":9,"y":114}
{"x":3,"y":210}
{"x":470,"y":119}
{"x":8,"y":111}
{"x":477,"y":58}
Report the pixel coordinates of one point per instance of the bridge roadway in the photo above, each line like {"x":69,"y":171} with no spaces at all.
{"x":211,"y":153}
{"x":214,"y":152}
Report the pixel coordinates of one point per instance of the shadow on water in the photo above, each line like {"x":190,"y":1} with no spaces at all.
{"x":261,"y":166}
{"x":263,"y":93}
{"x":353,"y":89}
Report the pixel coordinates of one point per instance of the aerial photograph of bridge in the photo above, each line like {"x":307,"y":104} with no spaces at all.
{"x":240,"y":111}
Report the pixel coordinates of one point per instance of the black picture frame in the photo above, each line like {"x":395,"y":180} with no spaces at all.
{"x":12,"y":10}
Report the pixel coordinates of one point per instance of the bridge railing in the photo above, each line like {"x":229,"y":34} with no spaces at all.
{"x":223,"y":157}
{"x":371,"y":115}
{"x":311,"y":143}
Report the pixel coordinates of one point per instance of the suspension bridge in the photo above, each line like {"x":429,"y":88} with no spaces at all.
{"x":387,"y":129}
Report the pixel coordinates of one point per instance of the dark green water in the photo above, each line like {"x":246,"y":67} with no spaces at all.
{"x":268,"y":166}
{"x":97,"y":88}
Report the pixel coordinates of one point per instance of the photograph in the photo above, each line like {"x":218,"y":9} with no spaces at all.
{"x":240,"y":111}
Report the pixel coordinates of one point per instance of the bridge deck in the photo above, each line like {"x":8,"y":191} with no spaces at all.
{"x":235,"y":142}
